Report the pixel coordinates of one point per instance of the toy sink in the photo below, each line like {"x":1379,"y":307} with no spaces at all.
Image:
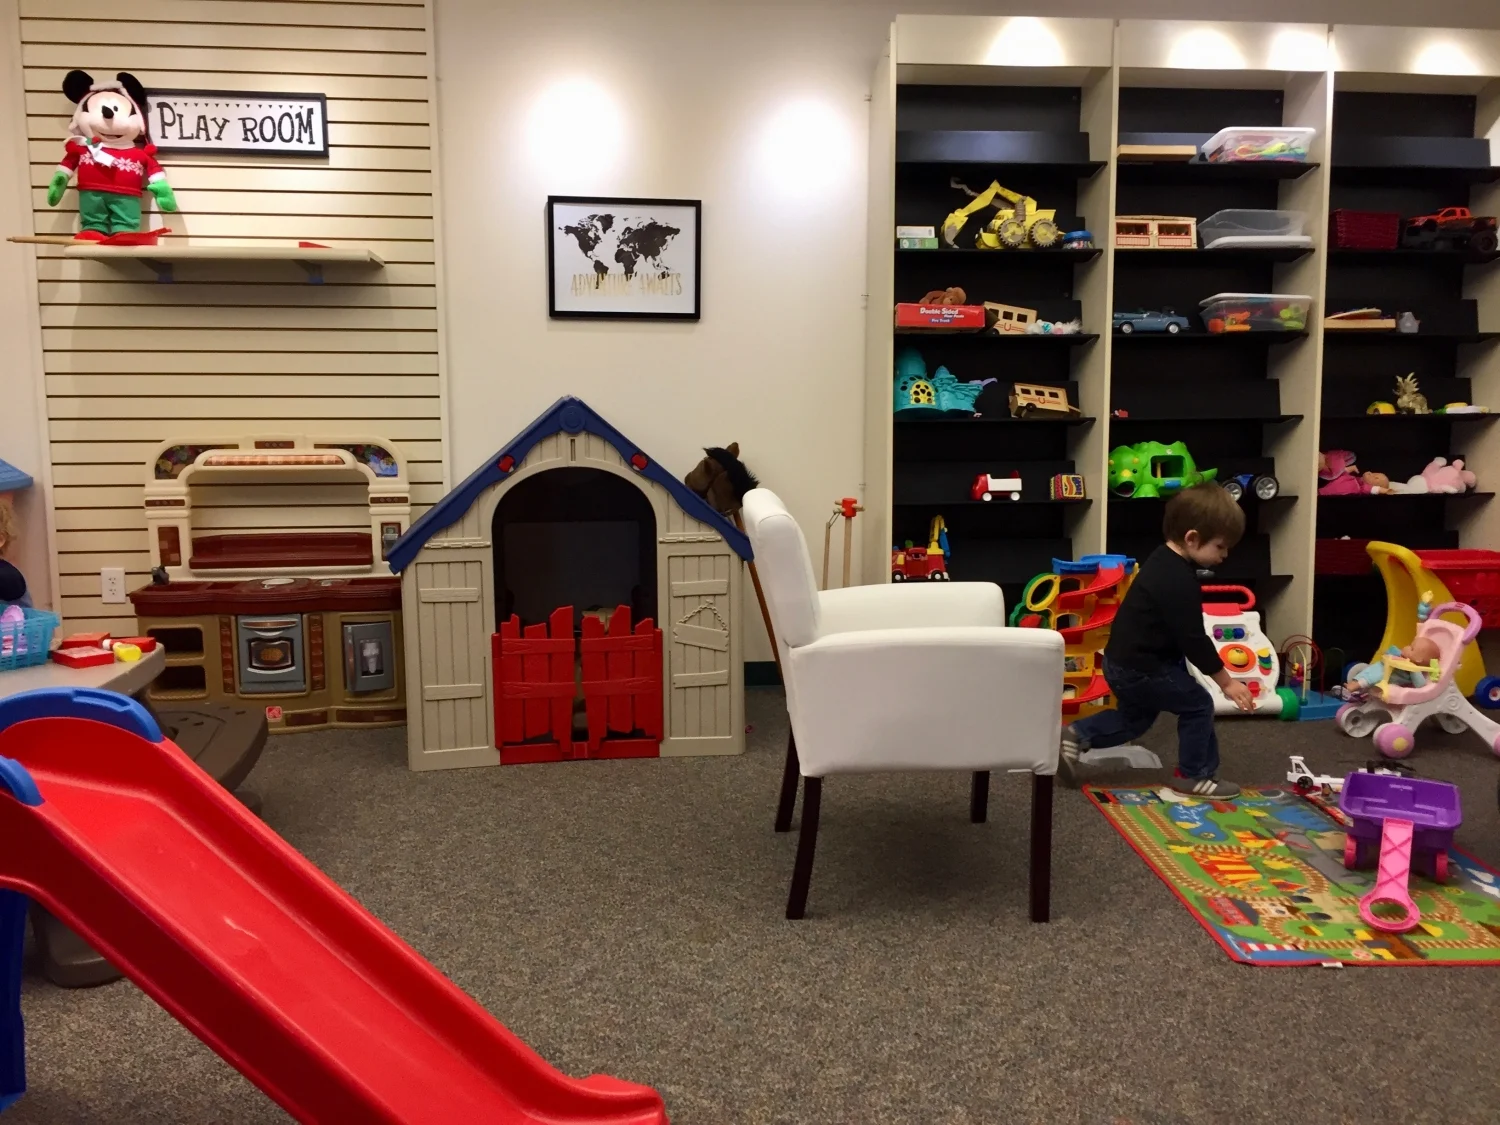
{"x":1427,"y":804}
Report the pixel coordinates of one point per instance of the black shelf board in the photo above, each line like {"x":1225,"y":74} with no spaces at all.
{"x":1082,"y":169}
{"x":1198,"y":257}
{"x":1408,"y":419}
{"x":1159,"y":420}
{"x":1203,"y":172}
{"x":1009,"y":340}
{"x":1220,"y":338}
{"x":1279,"y":498}
{"x":1039,"y":419}
{"x":1405,"y":255}
{"x":967,"y":501}
{"x":1013,"y":257}
{"x":1445,"y":175}
{"x":1428,"y":337}
{"x":1408,"y":497}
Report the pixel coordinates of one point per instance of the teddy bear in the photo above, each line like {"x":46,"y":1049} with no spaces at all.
{"x":953,"y":296}
{"x":109,"y":147}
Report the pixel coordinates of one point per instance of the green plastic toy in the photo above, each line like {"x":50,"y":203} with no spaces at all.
{"x":1151,"y":469}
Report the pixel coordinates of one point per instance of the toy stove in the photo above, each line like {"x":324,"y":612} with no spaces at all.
{"x":304,"y":621}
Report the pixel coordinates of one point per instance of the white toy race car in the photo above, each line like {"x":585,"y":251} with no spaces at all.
{"x":1246,"y":651}
{"x":1304,"y":780}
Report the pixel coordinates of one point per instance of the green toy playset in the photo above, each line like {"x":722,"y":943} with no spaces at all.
{"x":1150,"y":469}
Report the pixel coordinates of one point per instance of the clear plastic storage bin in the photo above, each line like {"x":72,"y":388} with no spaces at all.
{"x":1227,"y":229}
{"x":1255,"y":312}
{"x":1258,"y":142}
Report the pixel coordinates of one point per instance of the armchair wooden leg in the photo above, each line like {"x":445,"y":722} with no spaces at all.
{"x":1041,"y":847}
{"x":789,"y":775}
{"x":807,"y":842}
{"x":979,"y":797}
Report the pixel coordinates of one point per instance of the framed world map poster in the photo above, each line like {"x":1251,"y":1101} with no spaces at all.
{"x":623,"y":258}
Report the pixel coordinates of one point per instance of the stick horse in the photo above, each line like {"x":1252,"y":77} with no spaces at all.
{"x":722,"y":479}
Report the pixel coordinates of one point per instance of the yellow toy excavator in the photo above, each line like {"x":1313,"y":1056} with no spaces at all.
{"x":1011,"y":227}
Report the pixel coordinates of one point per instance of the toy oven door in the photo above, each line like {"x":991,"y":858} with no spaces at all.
{"x":271,"y":655}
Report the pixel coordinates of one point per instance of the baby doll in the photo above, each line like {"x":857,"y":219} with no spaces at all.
{"x":12,"y":583}
{"x":1422,"y":650}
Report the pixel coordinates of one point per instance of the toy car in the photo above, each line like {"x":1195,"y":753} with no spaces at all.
{"x":1454,"y":228}
{"x":917,"y":562}
{"x":1262,"y":485}
{"x":1142,"y":320}
{"x":1027,"y":398}
{"x":1305,"y":781}
{"x":987,"y":487}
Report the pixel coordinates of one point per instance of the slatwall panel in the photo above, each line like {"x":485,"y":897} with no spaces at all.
{"x":236,"y":348}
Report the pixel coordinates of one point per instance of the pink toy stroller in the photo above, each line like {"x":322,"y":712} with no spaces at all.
{"x":1409,"y":707}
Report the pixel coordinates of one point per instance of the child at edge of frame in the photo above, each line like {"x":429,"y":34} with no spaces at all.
{"x":1157,"y":631}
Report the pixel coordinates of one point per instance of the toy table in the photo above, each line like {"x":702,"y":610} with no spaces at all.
{"x":125,"y":678}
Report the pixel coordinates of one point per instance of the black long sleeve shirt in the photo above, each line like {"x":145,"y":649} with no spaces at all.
{"x":12,"y":583}
{"x":1161,"y":619}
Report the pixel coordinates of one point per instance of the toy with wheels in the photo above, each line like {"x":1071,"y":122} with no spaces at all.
{"x":987,"y":486}
{"x":1407,"y":576}
{"x":1247,"y":653}
{"x":1407,"y":708}
{"x":1263,"y":486}
{"x":1400,"y":823}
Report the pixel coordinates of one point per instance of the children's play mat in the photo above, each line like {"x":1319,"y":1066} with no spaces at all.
{"x":1265,"y":876}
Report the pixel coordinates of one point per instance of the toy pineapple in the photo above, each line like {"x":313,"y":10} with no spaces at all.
{"x":1409,"y":400}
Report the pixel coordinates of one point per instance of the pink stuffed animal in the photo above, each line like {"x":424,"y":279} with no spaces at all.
{"x":1443,"y":477}
{"x":1438,"y":476}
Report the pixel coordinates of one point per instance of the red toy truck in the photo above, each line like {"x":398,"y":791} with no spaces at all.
{"x":1453,"y":228}
{"x":914,"y":563}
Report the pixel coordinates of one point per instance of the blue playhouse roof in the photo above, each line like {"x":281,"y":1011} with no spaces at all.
{"x":567,"y":415}
{"x":12,"y":479}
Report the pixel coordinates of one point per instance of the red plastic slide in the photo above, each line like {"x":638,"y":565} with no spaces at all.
{"x":1104,"y":580}
{"x":254,"y":949}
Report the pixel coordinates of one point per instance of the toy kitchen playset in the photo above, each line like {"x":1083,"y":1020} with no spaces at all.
{"x":304,"y":621}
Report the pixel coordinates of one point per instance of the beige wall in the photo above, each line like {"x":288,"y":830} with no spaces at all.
{"x":691,"y":92}
{"x":232,"y":348}
{"x":23,"y":437}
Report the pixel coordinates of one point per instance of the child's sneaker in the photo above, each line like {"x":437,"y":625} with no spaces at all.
{"x":1206,"y":788}
{"x":1067,"y":759}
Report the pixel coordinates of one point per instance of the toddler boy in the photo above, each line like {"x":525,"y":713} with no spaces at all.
{"x":1159,"y":627}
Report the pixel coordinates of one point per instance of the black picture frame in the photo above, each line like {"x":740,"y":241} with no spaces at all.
{"x":694,"y":285}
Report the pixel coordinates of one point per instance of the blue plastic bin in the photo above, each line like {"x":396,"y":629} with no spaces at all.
{"x":28,"y":642}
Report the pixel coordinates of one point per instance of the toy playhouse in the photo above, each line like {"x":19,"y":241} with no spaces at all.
{"x":571,"y":599}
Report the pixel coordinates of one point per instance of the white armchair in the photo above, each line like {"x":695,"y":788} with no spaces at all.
{"x":910,"y":677}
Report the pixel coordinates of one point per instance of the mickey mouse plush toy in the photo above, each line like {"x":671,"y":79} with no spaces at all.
{"x":109,"y":146}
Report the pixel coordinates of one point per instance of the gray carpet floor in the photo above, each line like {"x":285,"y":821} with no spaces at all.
{"x":626,"y":917}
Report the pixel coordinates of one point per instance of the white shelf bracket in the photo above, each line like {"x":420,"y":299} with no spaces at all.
{"x":163,"y":270}
{"x":314,"y":271}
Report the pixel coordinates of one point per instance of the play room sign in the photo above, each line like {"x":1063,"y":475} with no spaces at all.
{"x":247,"y":124}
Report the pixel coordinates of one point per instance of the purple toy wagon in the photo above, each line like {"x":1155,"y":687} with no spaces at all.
{"x":1433,"y":807}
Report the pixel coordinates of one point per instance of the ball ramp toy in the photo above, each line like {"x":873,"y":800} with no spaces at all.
{"x":257,"y":952}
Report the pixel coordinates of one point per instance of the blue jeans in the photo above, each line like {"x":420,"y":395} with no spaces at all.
{"x":1140,"y":698}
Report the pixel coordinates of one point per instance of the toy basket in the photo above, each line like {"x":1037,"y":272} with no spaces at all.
{"x":1472,"y":577}
{"x":1364,"y":230}
{"x":1341,"y":556}
{"x":27,"y":643}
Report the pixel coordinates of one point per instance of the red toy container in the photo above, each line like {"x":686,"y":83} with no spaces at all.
{"x":1364,"y":230}
{"x":912,"y":315}
{"x":1472,"y":577}
{"x":1341,"y":556}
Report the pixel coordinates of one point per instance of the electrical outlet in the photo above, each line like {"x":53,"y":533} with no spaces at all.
{"x":112,"y":584}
